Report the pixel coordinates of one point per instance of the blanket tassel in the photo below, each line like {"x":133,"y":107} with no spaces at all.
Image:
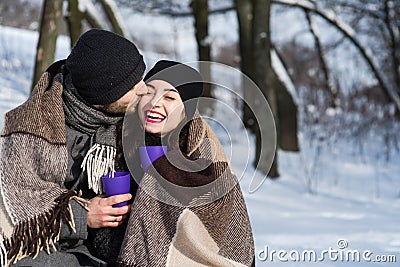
{"x":3,"y":252}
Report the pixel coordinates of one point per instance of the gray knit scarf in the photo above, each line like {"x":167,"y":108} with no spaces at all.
{"x":102,"y":130}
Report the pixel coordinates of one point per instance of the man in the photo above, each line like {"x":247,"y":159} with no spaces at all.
{"x":60,"y":142}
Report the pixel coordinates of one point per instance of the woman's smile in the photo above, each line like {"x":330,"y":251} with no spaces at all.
{"x":152,"y":116}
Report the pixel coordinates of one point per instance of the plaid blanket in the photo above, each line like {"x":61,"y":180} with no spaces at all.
{"x":34,"y":202}
{"x":189,"y":210}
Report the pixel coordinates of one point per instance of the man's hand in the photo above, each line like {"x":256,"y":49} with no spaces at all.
{"x":102,"y":214}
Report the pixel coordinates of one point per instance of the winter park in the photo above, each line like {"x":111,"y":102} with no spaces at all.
{"x":309,"y":128}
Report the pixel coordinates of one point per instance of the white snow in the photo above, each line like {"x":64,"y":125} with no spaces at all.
{"x":335,"y":191}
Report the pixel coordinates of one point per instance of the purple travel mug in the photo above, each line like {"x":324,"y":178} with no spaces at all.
{"x":117,"y":185}
{"x":148,"y":154}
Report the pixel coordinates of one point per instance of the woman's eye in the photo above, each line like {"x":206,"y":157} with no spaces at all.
{"x":170,"y":97}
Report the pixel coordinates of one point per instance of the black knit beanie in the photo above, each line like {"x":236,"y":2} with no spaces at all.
{"x":104,"y":66}
{"x":185,"y":79}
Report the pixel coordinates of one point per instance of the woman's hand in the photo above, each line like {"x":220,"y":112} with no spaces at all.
{"x":102,"y":214}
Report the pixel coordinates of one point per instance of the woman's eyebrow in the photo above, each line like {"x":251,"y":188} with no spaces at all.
{"x":166,"y":89}
{"x":171,"y":90}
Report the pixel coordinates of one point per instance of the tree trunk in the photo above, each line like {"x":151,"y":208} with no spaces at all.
{"x":287,"y":117}
{"x":394,"y":44}
{"x":200,"y":13}
{"x":264,"y":78}
{"x":49,"y":26}
{"x":74,"y":21}
{"x":244,"y":11}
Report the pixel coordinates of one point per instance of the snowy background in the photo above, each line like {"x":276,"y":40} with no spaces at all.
{"x":337,"y":188}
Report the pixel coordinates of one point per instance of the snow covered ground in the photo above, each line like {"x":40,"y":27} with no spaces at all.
{"x":339,"y":200}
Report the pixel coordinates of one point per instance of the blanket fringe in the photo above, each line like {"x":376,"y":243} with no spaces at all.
{"x":40,"y":233}
{"x":3,"y":252}
{"x":98,"y":161}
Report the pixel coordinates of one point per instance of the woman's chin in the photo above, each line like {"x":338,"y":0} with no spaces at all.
{"x":158,"y":130}
{"x":153,"y":130}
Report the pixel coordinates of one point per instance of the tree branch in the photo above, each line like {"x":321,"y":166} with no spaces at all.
{"x":111,"y":10}
{"x":324,"y":66}
{"x":389,"y":92}
{"x":92,"y":15}
{"x":93,"y":22}
{"x":362,"y":10}
{"x":185,"y":14}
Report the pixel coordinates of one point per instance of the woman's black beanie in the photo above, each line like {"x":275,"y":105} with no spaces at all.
{"x":185,"y":79}
{"x":104,"y":66}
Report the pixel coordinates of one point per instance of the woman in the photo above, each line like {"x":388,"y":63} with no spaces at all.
{"x":189,"y":210}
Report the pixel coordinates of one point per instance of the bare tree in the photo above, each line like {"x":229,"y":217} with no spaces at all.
{"x":85,"y":11}
{"x":74,"y":20}
{"x":200,"y":14}
{"x":244,"y":12}
{"x":392,"y":23}
{"x":111,"y":10}
{"x":49,"y":26}
{"x":390,"y":89}
{"x":383,"y":33}
{"x":50,"y":21}
{"x":327,"y":84}
{"x":263,"y":77}
{"x":255,"y":53}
